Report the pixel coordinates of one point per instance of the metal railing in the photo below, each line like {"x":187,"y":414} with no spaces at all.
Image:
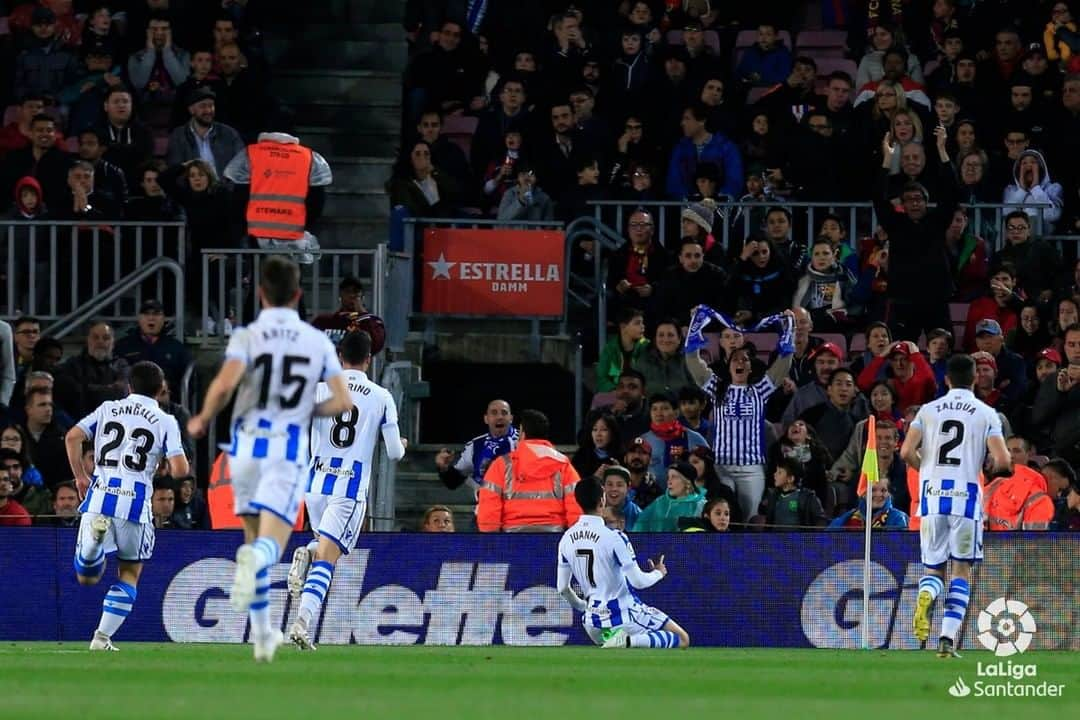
{"x":52,"y":268}
{"x":121,"y":287}
{"x":230,"y":277}
{"x":402,"y":380}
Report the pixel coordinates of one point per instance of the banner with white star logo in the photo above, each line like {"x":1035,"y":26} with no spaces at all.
{"x":493,"y":273}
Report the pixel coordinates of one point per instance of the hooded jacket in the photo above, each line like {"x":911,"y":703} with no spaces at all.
{"x":886,"y":517}
{"x":1017,"y":197}
{"x":21,"y":211}
{"x":662,"y":515}
{"x":718,"y":150}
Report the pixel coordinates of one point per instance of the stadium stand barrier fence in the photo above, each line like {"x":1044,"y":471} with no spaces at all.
{"x":53,"y":268}
{"x":746,"y":589}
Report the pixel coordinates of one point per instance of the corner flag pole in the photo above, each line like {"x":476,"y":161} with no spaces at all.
{"x":868,"y":476}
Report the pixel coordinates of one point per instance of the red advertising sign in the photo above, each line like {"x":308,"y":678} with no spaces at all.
{"x":519,"y":273}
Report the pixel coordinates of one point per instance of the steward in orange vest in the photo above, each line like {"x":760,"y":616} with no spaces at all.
{"x":531,"y":489}
{"x":1018,"y":502}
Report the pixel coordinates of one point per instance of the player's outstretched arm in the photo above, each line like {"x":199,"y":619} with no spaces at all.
{"x":217,"y":395}
{"x":339,"y":400}
{"x":909,"y":451}
{"x":641,"y":579}
{"x":73,"y":443}
{"x":999,"y":454}
{"x":563,"y":586}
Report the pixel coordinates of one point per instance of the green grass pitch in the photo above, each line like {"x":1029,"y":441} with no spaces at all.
{"x":202,"y":682}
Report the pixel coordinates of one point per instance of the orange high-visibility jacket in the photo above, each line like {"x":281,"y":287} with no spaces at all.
{"x":1018,"y":502}
{"x":915,"y":493}
{"x":531,"y":489}
{"x":279,"y":187}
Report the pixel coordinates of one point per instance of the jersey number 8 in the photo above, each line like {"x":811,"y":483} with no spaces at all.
{"x":343,"y":431}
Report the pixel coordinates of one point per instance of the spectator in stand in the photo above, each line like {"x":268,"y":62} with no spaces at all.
{"x":622,"y":351}
{"x":878,"y":341}
{"x":12,"y":514}
{"x":644,"y":486}
{"x":542,"y":496}
{"x":83,"y":200}
{"x":202,"y":137}
{"x":762,"y":145}
{"x":1057,"y":405}
{"x":1002,"y":304}
{"x":421,"y":187}
{"x":99,"y":29}
{"x":65,"y":507}
{"x":598,"y":446}
{"x":556,"y":151}
{"x":160,"y":67}
{"x":1032,"y":186}
{"x":525,"y":201}
{"x":41,"y":160}
{"x":872,"y":65}
{"x":445,"y":153}
{"x":630,"y":409}
{"x":968,"y":255}
{"x":632,"y":148}
{"x":883,"y":513}
{"x":825,"y":358}
{"x":620,"y":511}
{"x":662,"y":361}
{"x":920,"y":281}
{"x":909,"y":374}
{"x":27,"y":333}
{"x":351,"y":316}
{"x":801,"y":443}
{"x":149,"y":203}
{"x":1064,"y":489}
{"x":1030,"y":335}
{"x":802,"y":362}
{"x":46,"y":66}
{"x":46,"y":439}
{"x":27,"y":489}
{"x":1066,"y":313}
{"x":999,"y":70}
{"x":129,"y":141}
{"x":162,"y":503}
{"x":635,"y":269}
{"x":1011,"y":375}
{"x":786,"y":505}
{"x":17,"y":134}
{"x":510,"y":114}
{"x":94,"y":76}
{"x":939,"y":347}
{"x":94,"y":376}
{"x":787,"y":102}
{"x":109,"y":180}
{"x":242,"y":102}
{"x":631,"y":72}
{"x":692,"y":404}
{"x":437,"y":519}
{"x":723,"y":110}
{"x":190,"y":511}
{"x":716,"y":516}
{"x":682,"y":500}
{"x":766,"y":62}
{"x":698,"y":146}
{"x":669,"y":440}
{"x":36,"y":380}
{"x":575,"y":202}
{"x":762,"y":282}
{"x":691,"y":282}
{"x":823,"y":290}
{"x":148,"y":341}
{"x":985,"y":377}
{"x":202,"y":75}
{"x":709,"y":483}
{"x":835,"y":418}
{"x":895,"y":65}
{"x":500,"y":438}
{"x":1037,"y":263}
{"x":1021,"y":500}
{"x":500,"y":175}
{"x":1023,"y":112}
{"x":446,"y":76}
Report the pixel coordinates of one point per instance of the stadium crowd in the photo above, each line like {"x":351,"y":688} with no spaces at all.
{"x":924,"y":108}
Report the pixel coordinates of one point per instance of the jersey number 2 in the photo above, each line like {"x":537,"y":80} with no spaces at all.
{"x":589,"y":559}
{"x":266,"y":363}
{"x":343,"y":431}
{"x":956,"y":428}
{"x":136,"y":462}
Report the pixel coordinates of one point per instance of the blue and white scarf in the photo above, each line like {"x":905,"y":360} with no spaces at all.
{"x":703,"y":315}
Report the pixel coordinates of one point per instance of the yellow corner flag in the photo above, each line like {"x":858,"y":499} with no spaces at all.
{"x":869,"y":473}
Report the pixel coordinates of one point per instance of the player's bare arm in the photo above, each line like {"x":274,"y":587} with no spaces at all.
{"x":73,"y":443}
{"x":909,"y":451}
{"x":217,"y":396}
{"x":339,"y":400}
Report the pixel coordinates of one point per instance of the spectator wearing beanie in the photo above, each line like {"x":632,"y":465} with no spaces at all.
{"x":682,"y":499}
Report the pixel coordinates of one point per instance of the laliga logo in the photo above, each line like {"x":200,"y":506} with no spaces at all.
{"x":1006,"y":627}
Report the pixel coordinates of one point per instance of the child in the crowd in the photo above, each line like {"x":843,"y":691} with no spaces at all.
{"x":824,"y":288}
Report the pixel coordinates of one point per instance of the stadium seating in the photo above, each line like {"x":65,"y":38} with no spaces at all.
{"x":460,"y":129}
{"x":712,"y":40}
{"x":821,"y":43}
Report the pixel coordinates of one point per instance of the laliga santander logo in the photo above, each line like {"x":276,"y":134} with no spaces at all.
{"x":1006,"y":627}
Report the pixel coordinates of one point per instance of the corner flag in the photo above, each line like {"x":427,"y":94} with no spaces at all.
{"x":868,"y":475}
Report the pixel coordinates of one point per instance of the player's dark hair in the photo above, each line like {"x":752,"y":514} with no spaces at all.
{"x":588,"y":493}
{"x":535,"y":425}
{"x":355,"y":347}
{"x":280,"y":280}
{"x":146,"y":378}
{"x":960,"y":370}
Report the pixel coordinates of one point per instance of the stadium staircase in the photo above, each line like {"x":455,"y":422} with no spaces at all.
{"x":337,"y":68}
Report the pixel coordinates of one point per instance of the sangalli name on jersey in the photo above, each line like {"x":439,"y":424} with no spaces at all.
{"x":143,"y":412}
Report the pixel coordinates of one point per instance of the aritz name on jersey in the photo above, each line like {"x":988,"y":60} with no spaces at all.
{"x":958,"y":406}
{"x":588,"y":535}
{"x":279,"y":333}
{"x":145,"y":413}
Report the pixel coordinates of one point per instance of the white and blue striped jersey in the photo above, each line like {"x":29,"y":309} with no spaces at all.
{"x":343,"y":447}
{"x":739,"y":421}
{"x":130,"y":438}
{"x":285,"y":359}
{"x":600,"y":559}
{"x":954,"y":429}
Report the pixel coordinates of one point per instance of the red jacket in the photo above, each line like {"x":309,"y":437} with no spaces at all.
{"x":14,"y":515}
{"x":987,"y":307}
{"x":920,"y":389}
